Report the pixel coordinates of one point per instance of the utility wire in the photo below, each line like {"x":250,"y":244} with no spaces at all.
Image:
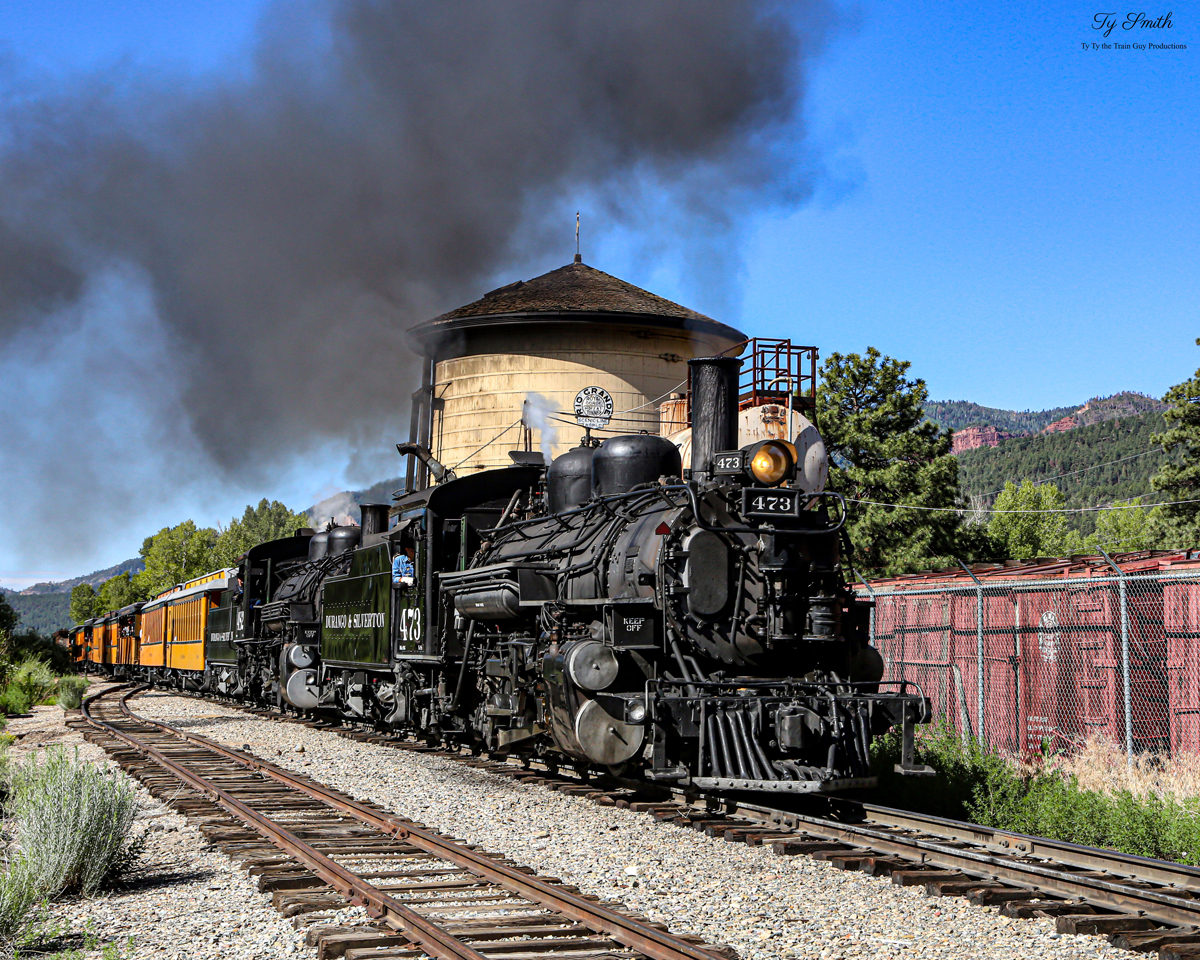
{"x":488,"y":444}
{"x":1129,"y":506}
{"x":674,"y":389}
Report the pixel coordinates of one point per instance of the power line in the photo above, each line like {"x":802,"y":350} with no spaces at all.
{"x":1129,"y":506}
{"x":488,"y":444}
{"x":674,"y":389}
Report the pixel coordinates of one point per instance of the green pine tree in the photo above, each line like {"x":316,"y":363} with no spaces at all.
{"x":883,"y":450}
{"x":9,"y":618}
{"x":1177,"y":525}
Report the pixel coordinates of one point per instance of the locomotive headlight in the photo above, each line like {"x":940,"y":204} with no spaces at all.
{"x":772,"y":462}
{"x":635,"y":710}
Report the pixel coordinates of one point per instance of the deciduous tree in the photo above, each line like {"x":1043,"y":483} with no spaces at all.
{"x":175,"y":554}
{"x":118,"y":592}
{"x":1024,"y":524}
{"x":270,"y":520}
{"x":83,"y":602}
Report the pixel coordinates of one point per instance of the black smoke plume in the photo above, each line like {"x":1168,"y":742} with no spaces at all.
{"x":203,"y":281}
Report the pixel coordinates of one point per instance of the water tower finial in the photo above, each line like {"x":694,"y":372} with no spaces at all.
{"x":578,"y":258}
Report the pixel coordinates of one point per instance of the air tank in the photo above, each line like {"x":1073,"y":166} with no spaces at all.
{"x":343,"y":540}
{"x":569,"y":480}
{"x":621,"y":463}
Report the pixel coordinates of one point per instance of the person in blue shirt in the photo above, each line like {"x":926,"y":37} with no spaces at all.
{"x":402,"y":568}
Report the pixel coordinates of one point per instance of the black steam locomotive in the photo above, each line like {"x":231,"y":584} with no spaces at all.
{"x":598,"y":611}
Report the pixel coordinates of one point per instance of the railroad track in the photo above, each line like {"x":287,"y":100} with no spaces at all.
{"x":1138,"y":903}
{"x":317,"y":849}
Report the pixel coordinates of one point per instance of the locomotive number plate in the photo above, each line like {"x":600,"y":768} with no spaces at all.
{"x":757,"y":502}
{"x":728,"y":462}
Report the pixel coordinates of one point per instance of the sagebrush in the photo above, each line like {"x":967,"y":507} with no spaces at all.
{"x":71,"y":691}
{"x":72,"y":822}
{"x":17,"y":895}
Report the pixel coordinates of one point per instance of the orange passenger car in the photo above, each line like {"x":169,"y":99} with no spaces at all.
{"x":78,"y":643}
{"x":127,"y":626}
{"x":93,"y":636}
{"x":108,"y":628}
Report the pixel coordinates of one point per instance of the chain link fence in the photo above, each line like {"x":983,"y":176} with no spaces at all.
{"x":1050,"y":663}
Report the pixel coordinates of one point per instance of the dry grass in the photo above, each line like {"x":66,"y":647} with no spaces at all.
{"x":1101,"y":766}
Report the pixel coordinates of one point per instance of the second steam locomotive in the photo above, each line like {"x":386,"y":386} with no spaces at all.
{"x":603,"y":610}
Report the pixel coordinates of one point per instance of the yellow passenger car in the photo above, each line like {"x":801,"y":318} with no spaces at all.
{"x":153,"y":633}
{"x":187,"y":619}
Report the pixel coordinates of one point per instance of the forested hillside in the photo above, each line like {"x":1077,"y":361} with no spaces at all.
{"x":41,"y":612}
{"x":95,"y":579}
{"x":1086,"y":453}
{"x":956,"y":414}
{"x":1125,"y":404}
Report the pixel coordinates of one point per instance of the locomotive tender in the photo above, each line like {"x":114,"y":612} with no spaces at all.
{"x":604,"y":610}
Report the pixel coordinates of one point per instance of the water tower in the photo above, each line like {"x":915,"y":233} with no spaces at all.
{"x":547,"y":339}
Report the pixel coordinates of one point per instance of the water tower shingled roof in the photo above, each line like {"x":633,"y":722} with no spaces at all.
{"x":572,"y":292}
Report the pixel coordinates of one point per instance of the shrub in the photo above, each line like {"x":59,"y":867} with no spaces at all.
{"x":73,"y":822}
{"x":963,"y":765}
{"x":17,"y":894}
{"x":978,"y":784}
{"x":15,"y":700}
{"x":36,"y":678}
{"x":29,"y":645}
{"x":71,"y":691}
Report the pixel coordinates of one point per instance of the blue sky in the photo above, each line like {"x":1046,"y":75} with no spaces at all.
{"x":1017,"y":216}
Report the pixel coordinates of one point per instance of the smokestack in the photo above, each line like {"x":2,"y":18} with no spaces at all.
{"x":374,"y":518}
{"x":714,"y":409}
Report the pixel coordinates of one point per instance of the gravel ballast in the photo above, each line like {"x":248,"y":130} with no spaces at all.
{"x":764,"y":905}
{"x":183,"y":899}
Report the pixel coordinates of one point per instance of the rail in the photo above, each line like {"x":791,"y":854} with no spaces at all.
{"x":631,"y":933}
